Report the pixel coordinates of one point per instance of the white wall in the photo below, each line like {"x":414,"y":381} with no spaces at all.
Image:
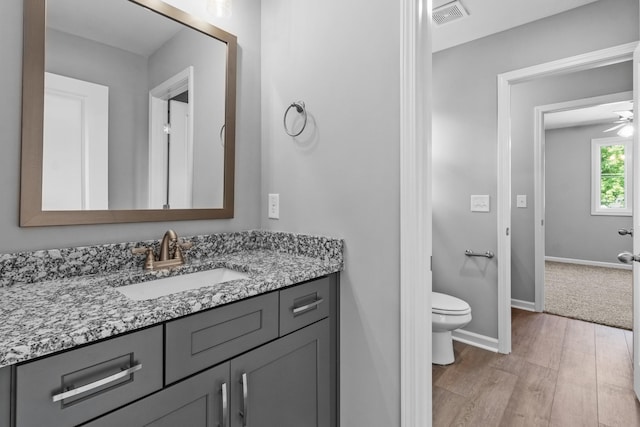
{"x":341,"y":176}
{"x":465,"y":139}
{"x":247,"y":198}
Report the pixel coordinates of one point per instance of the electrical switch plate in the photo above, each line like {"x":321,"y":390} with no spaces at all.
{"x":521,"y":201}
{"x":480,"y":203}
{"x":274,"y":206}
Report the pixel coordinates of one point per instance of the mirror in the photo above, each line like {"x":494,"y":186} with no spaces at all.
{"x":121,"y":122}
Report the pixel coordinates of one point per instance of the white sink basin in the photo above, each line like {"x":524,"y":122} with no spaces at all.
{"x":171,"y":285}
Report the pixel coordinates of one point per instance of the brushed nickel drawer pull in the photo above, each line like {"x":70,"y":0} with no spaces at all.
{"x":245,"y":397}
{"x":298,"y":310}
{"x":225,"y":406}
{"x":96,"y":384}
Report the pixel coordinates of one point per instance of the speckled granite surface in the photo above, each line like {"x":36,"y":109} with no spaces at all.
{"x":56,"y":299}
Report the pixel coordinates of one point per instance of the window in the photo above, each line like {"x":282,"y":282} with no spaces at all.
{"x":611,"y":176}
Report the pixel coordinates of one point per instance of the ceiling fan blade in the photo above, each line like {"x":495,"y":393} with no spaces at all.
{"x":625,"y":114}
{"x":614,"y":128}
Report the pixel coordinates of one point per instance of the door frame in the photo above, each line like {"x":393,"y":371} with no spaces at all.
{"x":159,"y":97}
{"x":539,"y":176}
{"x":415,"y":213}
{"x":571,"y":64}
{"x":636,"y":224}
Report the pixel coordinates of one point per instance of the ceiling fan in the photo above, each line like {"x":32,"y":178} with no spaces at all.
{"x":624,"y":124}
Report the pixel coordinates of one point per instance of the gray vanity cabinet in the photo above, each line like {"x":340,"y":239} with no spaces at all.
{"x":200,"y":401}
{"x":285,"y":383}
{"x":266,"y":361}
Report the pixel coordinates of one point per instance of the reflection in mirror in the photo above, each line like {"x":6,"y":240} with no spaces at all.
{"x":142,"y":63}
{"x":132,"y":110}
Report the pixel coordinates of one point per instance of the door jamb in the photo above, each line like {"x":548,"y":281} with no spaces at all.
{"x":581,"y":62}
{"x":415,"y":213}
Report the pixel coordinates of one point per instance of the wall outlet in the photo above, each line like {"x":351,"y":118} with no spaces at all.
{"x":274,"y":206}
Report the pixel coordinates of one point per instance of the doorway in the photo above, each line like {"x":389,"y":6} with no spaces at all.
{"x":506,"y":83}
{"x":171,"y":142}
{"x":582,"y":219}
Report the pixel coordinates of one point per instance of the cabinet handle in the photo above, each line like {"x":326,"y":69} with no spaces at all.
{"x":298,"y":310}
{"x":96,"y":384}
{"x":225,"y":406}
{"x":245,"y":396}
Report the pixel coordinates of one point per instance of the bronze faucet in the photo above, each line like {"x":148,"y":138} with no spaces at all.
{"x":169,"y":236}
{"x":165,"y":259}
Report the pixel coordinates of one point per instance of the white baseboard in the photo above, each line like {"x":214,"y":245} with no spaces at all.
{"x":523,"y":305}
{"x":476,"y":340}
{"x":587,"y":262}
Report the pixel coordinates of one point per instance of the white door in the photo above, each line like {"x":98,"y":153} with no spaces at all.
{"x":180,"y":164}
{"x":75,"y":144}
{"x":627,"y":257}
{"x":636,"y":226}
{"x":171,"y":143}
{"x":170,"y":155}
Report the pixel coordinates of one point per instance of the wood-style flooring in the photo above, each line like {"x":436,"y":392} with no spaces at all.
{"x":561,"y":372}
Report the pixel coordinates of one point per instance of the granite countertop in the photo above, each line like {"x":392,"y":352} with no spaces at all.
{"x":57,"y":314}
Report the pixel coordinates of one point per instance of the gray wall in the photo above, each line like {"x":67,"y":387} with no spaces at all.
{"x":571,"y":231}
{"x":464,"y":137}
{"x":341,"y":177}
{"x":525,"y":97}
{"x":125,"y":74}
{"x":207,"y":56}
{"x":248,"y":160}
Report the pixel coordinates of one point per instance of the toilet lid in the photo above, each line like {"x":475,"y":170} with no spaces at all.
{"x":447,"y":304}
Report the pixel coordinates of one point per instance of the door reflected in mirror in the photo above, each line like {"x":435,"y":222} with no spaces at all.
{"x":161,"y":151}
{"x":128,"y":114}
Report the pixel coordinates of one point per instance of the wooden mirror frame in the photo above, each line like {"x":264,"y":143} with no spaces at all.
{"x":33,"y":67}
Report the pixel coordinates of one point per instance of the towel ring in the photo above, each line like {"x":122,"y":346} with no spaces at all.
{"x":300,"y":108}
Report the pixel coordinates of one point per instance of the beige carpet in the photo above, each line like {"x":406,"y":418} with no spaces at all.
{"x":595,"y":294}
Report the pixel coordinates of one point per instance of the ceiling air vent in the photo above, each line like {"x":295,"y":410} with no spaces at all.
{"x":448,"y":13}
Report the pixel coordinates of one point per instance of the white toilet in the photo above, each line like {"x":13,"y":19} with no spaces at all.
{"x":447,"y":314}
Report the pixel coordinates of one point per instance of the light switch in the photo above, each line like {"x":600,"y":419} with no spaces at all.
{"x":521,"y":201}
{"x":480,"y":203}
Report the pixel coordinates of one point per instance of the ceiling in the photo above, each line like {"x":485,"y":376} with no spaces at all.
{"x":128,"y":26}
{"x":605,"y":113}
{"x":129,"y":30}
{"x":487,"y":17}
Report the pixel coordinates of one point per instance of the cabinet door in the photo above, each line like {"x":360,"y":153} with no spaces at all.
{"x":200,"y":401}
{"x":5,"y":396}
{"x":285,"y":383}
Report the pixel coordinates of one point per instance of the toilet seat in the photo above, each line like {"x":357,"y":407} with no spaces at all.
{"x":448,"y":305}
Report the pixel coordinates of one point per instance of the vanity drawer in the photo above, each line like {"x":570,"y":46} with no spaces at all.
{"x":105,"y":376}
{"x":304,"y":304}
{"x":202,"y":340}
